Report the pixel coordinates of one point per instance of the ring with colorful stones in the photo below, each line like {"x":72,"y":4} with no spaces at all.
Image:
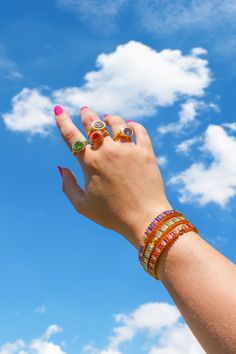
{"x":125,"y":132}
{"x":78,"y":146}
{"x":97,"y":125}
{"x":97,"y":136}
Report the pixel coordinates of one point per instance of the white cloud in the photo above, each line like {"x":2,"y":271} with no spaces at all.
{"x":8,"y":69}
{"x":189,"y":110}
{"x":53,"y":329}
{"x":40,"y":310}
{"x":151,"y":317}
{"x":185,"y":146}
{"x":162,"y":160}
{"x":231,"y":126}
{"x":133,"y":81}
{"x":12,"y":348}
{"x":98,"y":14}
{"x":31,"y":113}
{"x":160,"y":323}
{"x":40,"y":345}
{"x":178,"y":340}
{"x":215,"y":182}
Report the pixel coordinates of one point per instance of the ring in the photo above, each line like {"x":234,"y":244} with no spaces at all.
{"x":97,"y":125}
{"x":78,"y":146}
{"x":97,"y":136}
{"x":125,"y":132}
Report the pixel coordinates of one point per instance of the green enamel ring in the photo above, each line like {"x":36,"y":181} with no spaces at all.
{"x":78,"y":146}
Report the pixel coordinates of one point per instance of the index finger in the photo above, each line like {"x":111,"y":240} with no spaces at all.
{"x":68,"y":129}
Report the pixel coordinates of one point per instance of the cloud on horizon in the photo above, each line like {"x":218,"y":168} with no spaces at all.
{"x":161,"y":327}
{"x":41,"y":345}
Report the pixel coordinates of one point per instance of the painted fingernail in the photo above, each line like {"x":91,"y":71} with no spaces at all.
{"x":129,"y":121}
{"x":83,"y":108}
{"x":105,"y":115}
{"x":58,"y":110}
{"x":60,"y":170}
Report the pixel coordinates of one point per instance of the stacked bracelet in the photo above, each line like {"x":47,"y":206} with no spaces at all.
{"x":159,"y":235}
{"x":152,"y":228}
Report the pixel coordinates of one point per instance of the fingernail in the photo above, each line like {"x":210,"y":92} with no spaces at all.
{"x":105,"y":115}
{"x":129,"y":121}
{"x":60,"y":170}
{"x":58,"y":110}
{"x":83,"y":108}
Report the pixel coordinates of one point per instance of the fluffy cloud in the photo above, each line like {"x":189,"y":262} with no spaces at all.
{"x":151,"y":317}
{"x":215,"y":182}
{"x":40,"y":345}
{"x":178,"y":340}
{"x":187,"y":115}
{"x":31,"y":113}
{"x":185,"y":146}
{"x":231,"y":126}
{"x":160,"y":321}
{"x":162,"y":160}
{"x":133,"y":82}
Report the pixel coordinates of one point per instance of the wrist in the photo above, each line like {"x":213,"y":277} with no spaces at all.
{"x":177,"y":255}
{"x":143,"y":221}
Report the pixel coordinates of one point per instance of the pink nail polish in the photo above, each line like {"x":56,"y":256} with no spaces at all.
{"x":58,"y":110}
{"x":129,"y":121}
{"x":83,"y":108}
{"x":105,"y":115}
{"x":60,"y":170}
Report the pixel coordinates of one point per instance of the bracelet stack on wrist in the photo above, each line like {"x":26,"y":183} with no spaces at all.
{"x":159,"y":235}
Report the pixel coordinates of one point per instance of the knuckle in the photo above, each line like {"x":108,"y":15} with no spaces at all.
{"x":148,"y":156}
{"x":91,"y":161}
{"x":70,"y":134}
{"x":143,"y":130}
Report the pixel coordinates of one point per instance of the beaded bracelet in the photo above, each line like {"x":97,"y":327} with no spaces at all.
{"x":161,"y":232}
{"x":168,"y":240}
{"x":160,"y":235}
{"x":150,"y":232}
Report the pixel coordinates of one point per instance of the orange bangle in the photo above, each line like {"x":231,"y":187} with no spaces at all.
{"x":166,"y":243}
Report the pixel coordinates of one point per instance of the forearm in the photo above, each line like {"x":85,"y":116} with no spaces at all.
{"x":202,"y":282}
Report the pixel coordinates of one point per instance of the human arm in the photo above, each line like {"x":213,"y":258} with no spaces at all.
{"x":124,"y":191}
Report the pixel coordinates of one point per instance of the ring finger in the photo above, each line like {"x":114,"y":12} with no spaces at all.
{"x":120,"y":130}
{"x":88,"y":117}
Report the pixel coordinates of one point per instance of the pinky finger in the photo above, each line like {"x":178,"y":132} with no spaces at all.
{"x":141,"y":134}
{"x":72,"y":190}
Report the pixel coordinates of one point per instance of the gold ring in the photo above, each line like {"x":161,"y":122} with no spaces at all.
{"x":97,"y":136}
{"x":125,"y":132}
{"x":79,"y":145}
{"x":97,"y":125}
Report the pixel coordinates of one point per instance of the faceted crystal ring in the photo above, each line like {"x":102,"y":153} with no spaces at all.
{"x":97,"y":125}
{"x":78,"y":146}
{"x":125,"y":132}
{"x":97,"y":136}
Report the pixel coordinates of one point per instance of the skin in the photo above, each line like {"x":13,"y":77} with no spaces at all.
{"x":124,"y":191}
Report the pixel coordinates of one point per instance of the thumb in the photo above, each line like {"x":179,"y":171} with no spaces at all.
{"x":72,"y":189}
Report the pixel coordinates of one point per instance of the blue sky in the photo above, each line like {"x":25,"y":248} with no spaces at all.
{"x":68,"y":285}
